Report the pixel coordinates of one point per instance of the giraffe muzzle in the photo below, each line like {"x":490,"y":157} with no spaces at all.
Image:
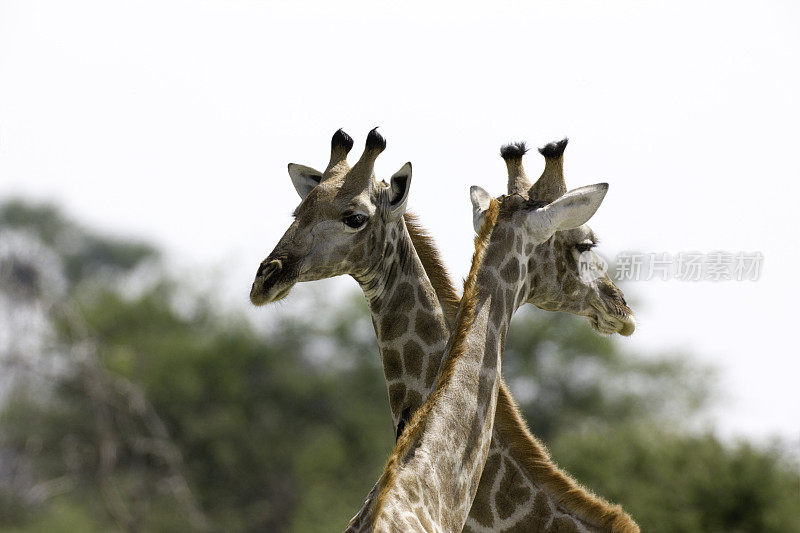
{"x":612,"y":312}
{"x":271,"y":283}
{"x":628,"y":326}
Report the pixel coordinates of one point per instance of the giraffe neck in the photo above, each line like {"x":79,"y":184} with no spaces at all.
{"x":442,"y":454}
{"x":407,"y":315}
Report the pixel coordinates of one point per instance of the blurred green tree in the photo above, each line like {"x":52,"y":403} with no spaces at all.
{"x":567,"y":377}
{"x":673,"y":481}
{"x":84,"y":254}
{"x":148,"y":411}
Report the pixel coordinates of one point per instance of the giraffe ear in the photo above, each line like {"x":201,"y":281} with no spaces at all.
{"x":574,"y":208}
{"x":397,"y":193}
{"x":304,"y":178}
{"x":480,"y":204}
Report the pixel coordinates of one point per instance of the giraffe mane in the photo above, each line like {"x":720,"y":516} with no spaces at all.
{"x":536,"y":461}
{"x":434,"y":268}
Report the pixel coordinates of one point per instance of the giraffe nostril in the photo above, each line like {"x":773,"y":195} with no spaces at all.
{"x":268,"y":267}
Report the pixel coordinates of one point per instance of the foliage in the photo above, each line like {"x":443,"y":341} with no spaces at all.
{"x":84,"y":253}
{"x":268,"y":437}
{"x":671,"y":481}
{"x":566,"y":377}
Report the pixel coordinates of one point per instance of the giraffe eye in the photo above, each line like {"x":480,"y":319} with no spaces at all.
{"x":355,"y":221}
{"x":584,"y":246}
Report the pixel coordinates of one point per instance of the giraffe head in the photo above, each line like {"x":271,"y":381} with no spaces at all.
{"x":343,"y":223}
{"x":550,"y":242}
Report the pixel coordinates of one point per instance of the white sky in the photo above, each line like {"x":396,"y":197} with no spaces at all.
{"x":174,"y":120}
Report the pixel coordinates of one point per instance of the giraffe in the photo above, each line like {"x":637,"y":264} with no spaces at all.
{"x":432,"y":476}
{"x":557,"y":284}
{"x":349,"y":224}
{"x":399,"y":269}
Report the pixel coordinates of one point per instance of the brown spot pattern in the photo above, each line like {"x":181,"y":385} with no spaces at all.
{"x":431,"y":372}
{"x":392,"y":326}
{"x":391,"y":275}
{"x":510,"y":271}
{"x":541,"y":511}
{"x":413,"y":400}
{"x":498,"y":308}
{"x":510,"y":492}
{"x":422,"y":294}
{"x":562,"y":524}
{"x":402,"y":301}
{"x":491,"y":343}
{"x":392,"y":364}
{"x":413,"y":357}
{"x":397,"y":394}
{"x":427,"y":327}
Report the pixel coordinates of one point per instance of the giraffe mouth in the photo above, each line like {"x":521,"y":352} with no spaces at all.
{"x":610,"y":313}
{"x":622,"y":323}
{"x":273,"y":282}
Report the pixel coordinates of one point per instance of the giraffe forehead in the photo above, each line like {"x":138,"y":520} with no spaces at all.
{"x":330,"y":201}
